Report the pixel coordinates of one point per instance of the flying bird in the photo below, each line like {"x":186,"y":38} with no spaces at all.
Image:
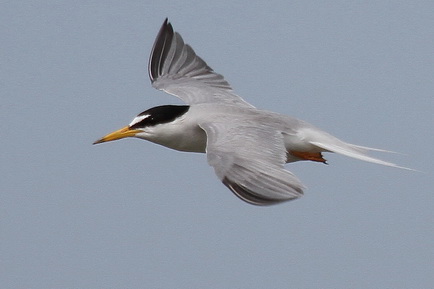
{"x":247,"y":147}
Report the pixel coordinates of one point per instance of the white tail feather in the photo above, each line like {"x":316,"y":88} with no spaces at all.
{"x":357,"y":152}
{"x":373,"y":149}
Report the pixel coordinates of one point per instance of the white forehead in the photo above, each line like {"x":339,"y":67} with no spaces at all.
{"x":138,"y":119}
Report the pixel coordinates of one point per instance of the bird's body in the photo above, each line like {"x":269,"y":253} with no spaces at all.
{"x":246,"y":146}
{"x":185,"y":134}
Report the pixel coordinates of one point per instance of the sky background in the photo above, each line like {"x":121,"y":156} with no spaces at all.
{"x":132,"y":214}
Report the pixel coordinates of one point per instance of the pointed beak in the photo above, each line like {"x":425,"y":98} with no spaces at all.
{"x":121,"y":133}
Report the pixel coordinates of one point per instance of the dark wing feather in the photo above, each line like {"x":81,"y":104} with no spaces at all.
{"x":176,"y":69}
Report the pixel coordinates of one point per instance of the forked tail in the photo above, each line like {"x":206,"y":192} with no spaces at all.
{"x":333,"y":144}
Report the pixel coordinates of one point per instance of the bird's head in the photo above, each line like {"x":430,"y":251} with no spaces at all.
{"x":144,"y":125}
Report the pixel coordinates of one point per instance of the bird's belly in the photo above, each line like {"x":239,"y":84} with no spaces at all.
{"x":190,"y":140}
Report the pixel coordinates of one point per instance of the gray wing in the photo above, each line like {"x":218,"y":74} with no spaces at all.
{"x":250,"y":160}
{"x":176,"y":69}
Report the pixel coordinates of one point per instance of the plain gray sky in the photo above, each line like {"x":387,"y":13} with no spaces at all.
{"x":131,"y":214}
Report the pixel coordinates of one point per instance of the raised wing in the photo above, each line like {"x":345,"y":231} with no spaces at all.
{"x":176,"y":69}
{"x":250,"y":160}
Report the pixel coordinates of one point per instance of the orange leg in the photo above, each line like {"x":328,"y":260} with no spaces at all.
{"x":316,"y":157}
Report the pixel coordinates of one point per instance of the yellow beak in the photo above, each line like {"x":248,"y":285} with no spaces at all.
{"x":121,"y":133}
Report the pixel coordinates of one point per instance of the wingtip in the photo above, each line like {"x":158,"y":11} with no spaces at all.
{"x":166,"y":23}
{"x":255,"y":198}
{"x":159,"y":49}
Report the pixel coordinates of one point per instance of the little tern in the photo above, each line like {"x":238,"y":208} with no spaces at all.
{"x":247,"y":147}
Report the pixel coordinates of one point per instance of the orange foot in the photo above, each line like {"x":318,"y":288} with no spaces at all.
{"x":316,"y":157}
